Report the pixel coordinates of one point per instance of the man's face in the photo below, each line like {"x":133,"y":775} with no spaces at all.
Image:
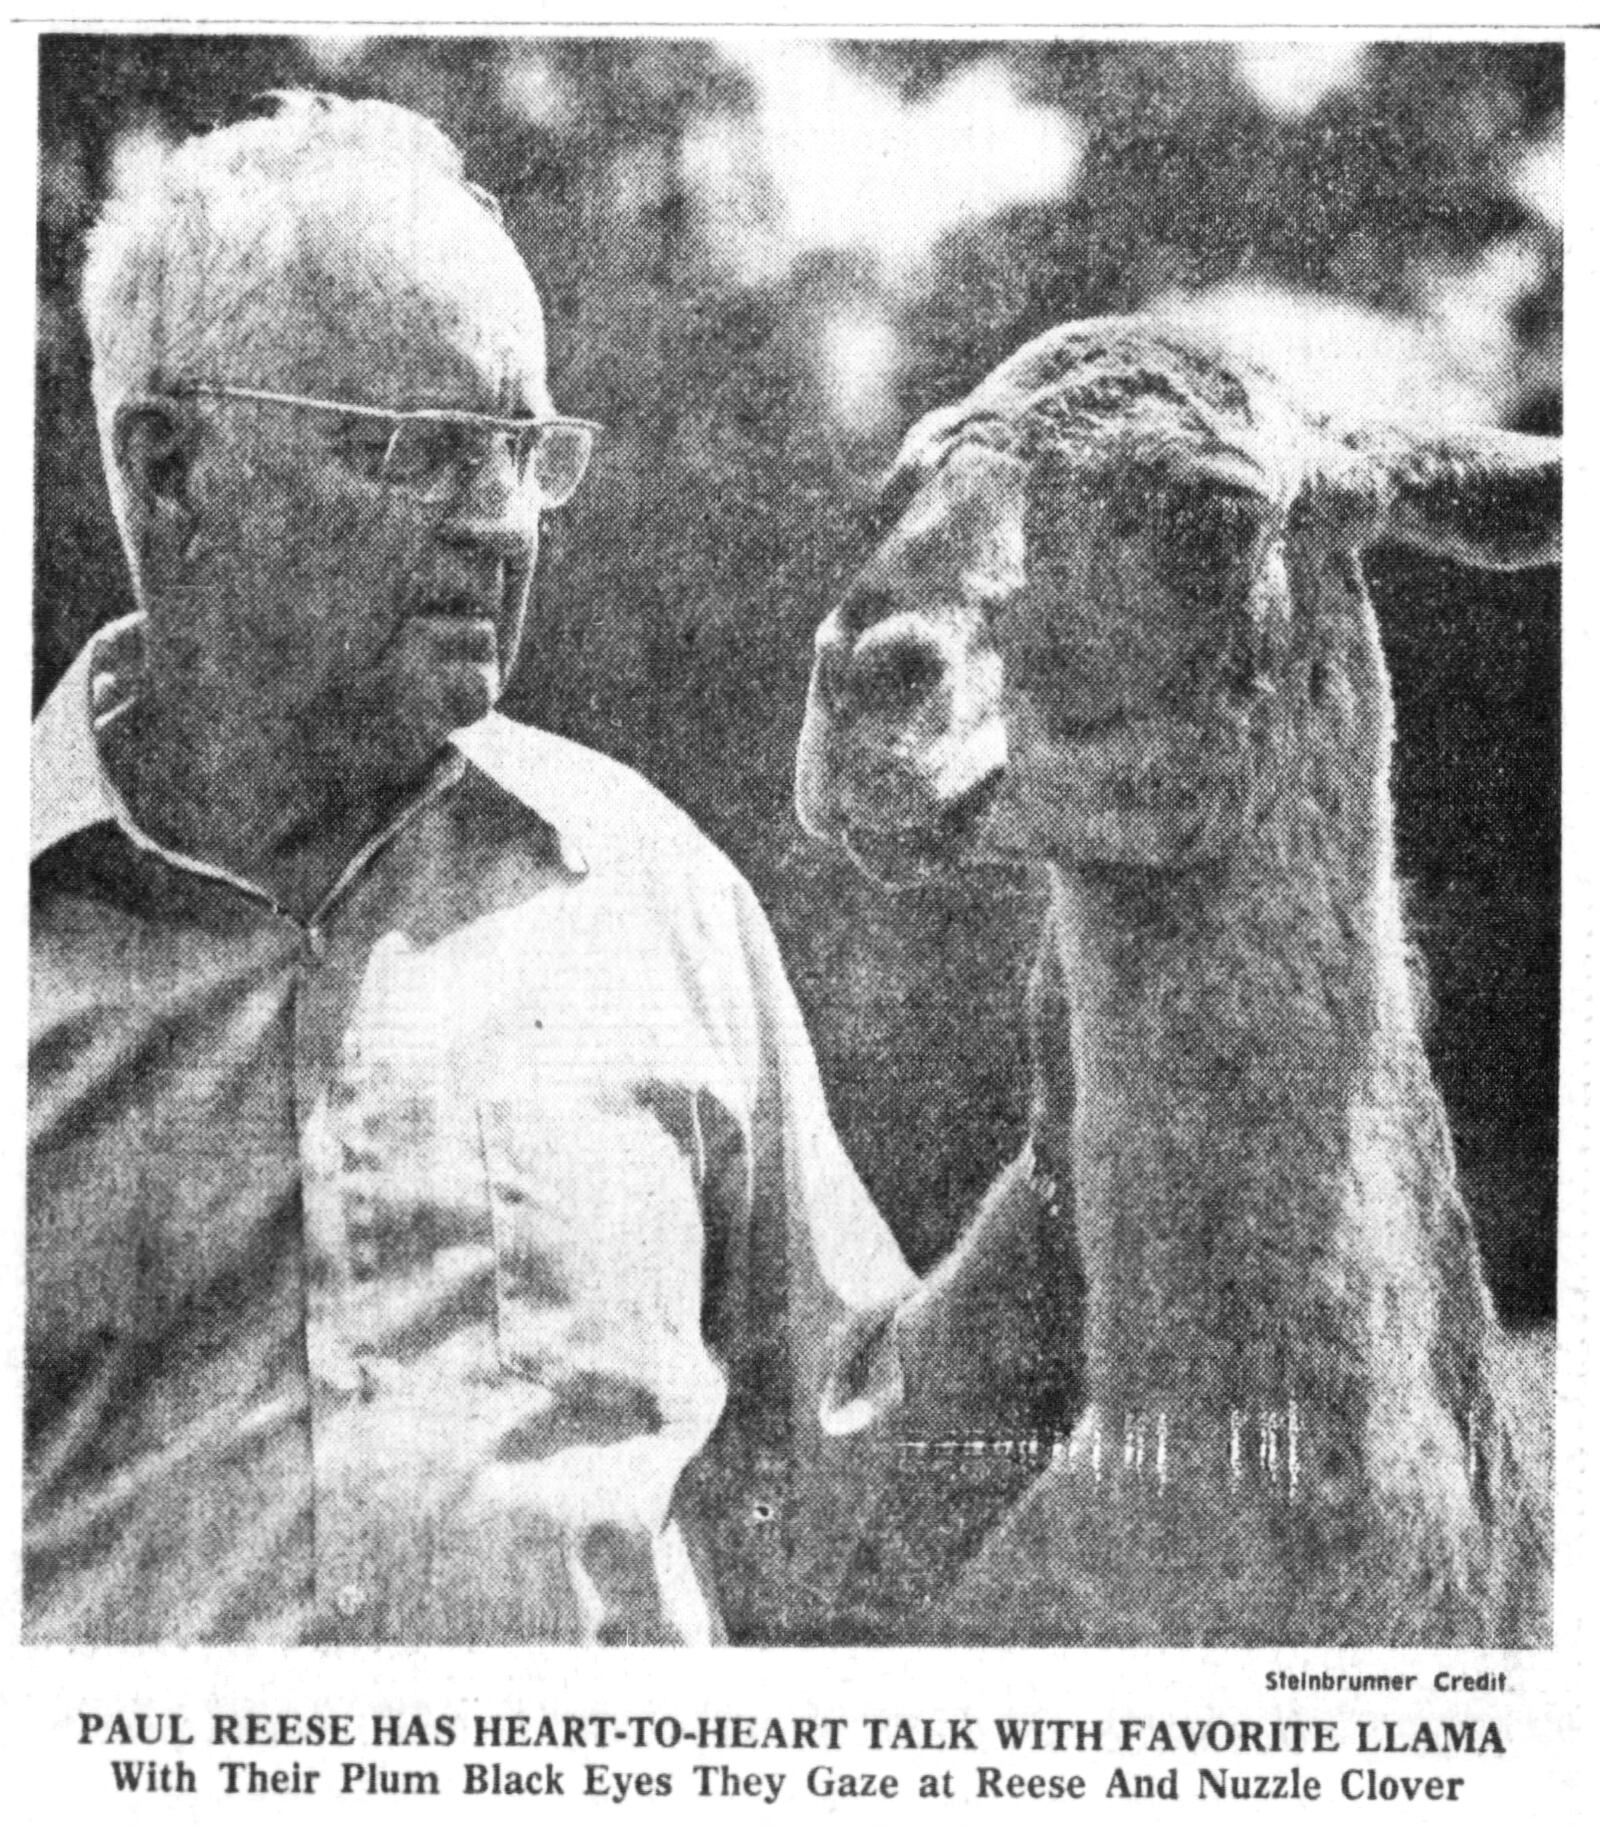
{"x":348,"y":604}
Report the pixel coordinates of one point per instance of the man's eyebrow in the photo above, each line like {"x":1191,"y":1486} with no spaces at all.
{"x":420,"y":406}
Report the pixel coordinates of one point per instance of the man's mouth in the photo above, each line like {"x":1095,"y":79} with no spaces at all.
{"x":461,"y":624}
{"x":455,"y":606}
{"x":903,"y":855}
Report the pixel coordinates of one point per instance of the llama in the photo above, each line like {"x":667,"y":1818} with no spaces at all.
{"x":1117,"y":625}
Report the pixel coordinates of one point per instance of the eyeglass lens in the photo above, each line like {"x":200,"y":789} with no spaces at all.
{"x":429,"y":457}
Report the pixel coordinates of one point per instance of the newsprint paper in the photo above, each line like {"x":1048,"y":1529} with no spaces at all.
{"x":804,"y":1036}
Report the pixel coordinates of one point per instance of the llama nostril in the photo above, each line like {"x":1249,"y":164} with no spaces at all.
{"x":890,"y":677}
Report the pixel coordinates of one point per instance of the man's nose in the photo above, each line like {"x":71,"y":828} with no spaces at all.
{"x":494,"y":512}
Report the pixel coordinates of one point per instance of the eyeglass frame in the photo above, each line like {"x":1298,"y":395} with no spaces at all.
{"x":397,"y":417}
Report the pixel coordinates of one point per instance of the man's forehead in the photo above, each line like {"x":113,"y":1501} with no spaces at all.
{"x":377,"y":312}
{"x":409,"y":367}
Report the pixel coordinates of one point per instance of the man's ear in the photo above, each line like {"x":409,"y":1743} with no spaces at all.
{"x":154,"y":443}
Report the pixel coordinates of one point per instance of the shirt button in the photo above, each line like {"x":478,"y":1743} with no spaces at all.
{"x":350,"y":1599}
{"x":316,"y":943}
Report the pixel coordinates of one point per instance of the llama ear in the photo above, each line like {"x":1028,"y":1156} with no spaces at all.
{"x":1483,"y":497}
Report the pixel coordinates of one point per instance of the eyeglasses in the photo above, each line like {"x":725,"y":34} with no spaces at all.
{"x":427,"y":453}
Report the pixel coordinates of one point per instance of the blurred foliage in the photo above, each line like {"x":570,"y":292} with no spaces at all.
{"x":679,"y":593}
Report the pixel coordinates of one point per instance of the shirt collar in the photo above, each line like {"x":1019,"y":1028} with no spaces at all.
{"x":69,"y":790}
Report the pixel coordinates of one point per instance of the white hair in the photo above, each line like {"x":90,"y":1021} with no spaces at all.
{"x":196,"y":256}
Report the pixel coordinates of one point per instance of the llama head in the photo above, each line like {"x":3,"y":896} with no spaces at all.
{"x":1114,"y":587}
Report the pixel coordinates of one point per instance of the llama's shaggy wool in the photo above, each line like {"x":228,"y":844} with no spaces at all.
{"x":1304,"y":1421}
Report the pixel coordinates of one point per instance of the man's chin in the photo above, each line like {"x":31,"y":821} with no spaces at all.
{"x":469,"y":698}
{"x":452,"y":697}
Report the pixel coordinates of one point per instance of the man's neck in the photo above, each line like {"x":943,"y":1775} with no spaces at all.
{"x":284,"y":803}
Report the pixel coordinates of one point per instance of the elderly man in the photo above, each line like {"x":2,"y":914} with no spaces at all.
{"x":436,"y":1232}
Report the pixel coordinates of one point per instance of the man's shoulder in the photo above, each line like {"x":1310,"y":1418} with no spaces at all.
{"x":608,"y":810}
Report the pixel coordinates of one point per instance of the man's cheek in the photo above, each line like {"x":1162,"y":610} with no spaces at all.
{"x":513,"y":619}
{"x":365,"y":547}
{"x":353,"y":530}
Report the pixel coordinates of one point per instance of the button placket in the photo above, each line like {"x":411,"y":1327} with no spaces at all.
{"x":345,"y":1168}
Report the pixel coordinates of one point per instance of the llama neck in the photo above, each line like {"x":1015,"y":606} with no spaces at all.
{"x":1264,"y":1180}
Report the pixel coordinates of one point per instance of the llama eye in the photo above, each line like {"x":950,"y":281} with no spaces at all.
{"x":1125,"y":514}
{"x":1205,"y":533}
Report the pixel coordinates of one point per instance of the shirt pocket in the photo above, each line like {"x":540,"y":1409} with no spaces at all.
{"x":598,"y":1244}
{"x":400,"y":1234}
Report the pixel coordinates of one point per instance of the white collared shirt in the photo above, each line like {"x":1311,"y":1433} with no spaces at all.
{"x":465,"y":1264}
